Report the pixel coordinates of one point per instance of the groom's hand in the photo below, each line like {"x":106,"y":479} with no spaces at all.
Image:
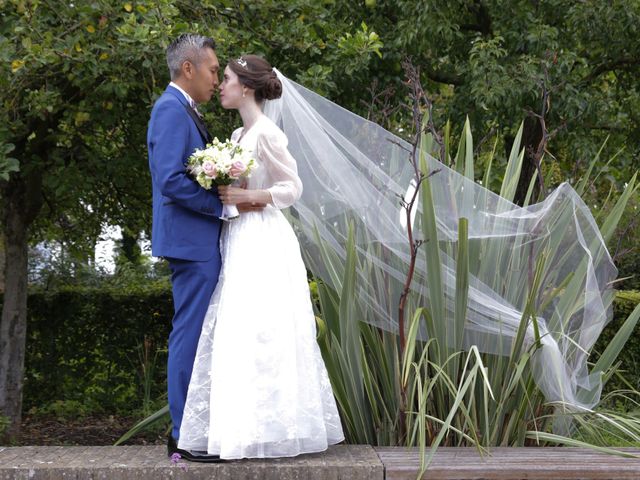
{"x":250,"y":207}
{"x":240,"y":198}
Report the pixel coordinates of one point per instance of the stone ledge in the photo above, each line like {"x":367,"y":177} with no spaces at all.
{"x":357,"y":462}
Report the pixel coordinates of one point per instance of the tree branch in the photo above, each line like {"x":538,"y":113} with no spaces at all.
{"x":443,"y":77}
{"x":483,"y":19}
{"x":618,"y":64}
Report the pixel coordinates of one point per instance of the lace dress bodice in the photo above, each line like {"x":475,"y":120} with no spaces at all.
{"x":277,"y":171}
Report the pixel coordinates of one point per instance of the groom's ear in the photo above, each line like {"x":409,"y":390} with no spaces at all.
{"x":188,"y":69}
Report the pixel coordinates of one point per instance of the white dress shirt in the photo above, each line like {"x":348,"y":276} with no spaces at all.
{"x":186,"y":95}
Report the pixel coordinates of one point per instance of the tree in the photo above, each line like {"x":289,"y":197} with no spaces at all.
{"x":2,"y":261}
{"x":67,"y":107}
{"x":500,"y":62}
{"x":78,"y":81}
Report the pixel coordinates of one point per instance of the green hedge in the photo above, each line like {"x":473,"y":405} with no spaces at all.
{"x":84,"y":347}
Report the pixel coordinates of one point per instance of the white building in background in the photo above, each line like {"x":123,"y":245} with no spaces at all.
{"x":106,"y":246}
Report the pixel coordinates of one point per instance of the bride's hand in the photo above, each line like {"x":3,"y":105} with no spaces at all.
{"x":233,"y":195}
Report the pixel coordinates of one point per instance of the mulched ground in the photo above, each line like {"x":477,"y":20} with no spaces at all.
{"x":92,"y":430}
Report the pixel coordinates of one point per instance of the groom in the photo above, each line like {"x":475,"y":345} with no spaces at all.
{"x":186,"y":223}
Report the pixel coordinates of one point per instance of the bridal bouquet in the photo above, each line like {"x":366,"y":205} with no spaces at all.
{"x":221,"y":163}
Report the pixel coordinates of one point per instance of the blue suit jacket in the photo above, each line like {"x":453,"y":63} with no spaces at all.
{"x":185,"y":216}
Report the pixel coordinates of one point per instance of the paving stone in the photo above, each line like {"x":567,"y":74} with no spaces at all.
{"x":353,"y":462}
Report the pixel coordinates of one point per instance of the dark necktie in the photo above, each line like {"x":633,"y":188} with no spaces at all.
{"x":194,"y":106}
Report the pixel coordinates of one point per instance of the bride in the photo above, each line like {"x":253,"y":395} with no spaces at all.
{"x":259,"y":387}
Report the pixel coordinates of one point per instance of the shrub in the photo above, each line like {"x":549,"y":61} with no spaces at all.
{"x":85,"y":345}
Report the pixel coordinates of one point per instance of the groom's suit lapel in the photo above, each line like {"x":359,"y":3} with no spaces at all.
{"x":202,"y":128}
{"x":194,"y":116}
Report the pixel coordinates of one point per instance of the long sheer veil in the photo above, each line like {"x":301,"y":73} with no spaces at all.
{"x":354,"y":171}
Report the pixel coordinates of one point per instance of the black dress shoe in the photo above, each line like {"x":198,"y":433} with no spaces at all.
{"x":190,"y":455}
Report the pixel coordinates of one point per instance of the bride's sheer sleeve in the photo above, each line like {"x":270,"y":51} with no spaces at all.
{"x":281,"y":167}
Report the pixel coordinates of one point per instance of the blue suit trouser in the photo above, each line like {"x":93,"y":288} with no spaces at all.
{"x":192,"y":284}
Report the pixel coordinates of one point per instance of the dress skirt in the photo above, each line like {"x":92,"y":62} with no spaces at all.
{"x":259,"y":387}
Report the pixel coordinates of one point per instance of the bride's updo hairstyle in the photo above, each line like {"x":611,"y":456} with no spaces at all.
{"x":256,"y":73}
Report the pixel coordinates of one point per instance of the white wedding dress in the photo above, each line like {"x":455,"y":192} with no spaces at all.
{"x":259,"y":387}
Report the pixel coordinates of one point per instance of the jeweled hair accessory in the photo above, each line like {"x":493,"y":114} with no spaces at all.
{"x":242,"y":62}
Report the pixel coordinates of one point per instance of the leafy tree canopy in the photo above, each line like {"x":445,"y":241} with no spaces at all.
{"x":79,"y":79}
{"x":492,"y":60}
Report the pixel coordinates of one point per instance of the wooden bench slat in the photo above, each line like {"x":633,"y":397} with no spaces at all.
{"x":539,"y":463}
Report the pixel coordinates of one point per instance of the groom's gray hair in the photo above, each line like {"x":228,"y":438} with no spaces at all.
{"x":186,"y":47}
